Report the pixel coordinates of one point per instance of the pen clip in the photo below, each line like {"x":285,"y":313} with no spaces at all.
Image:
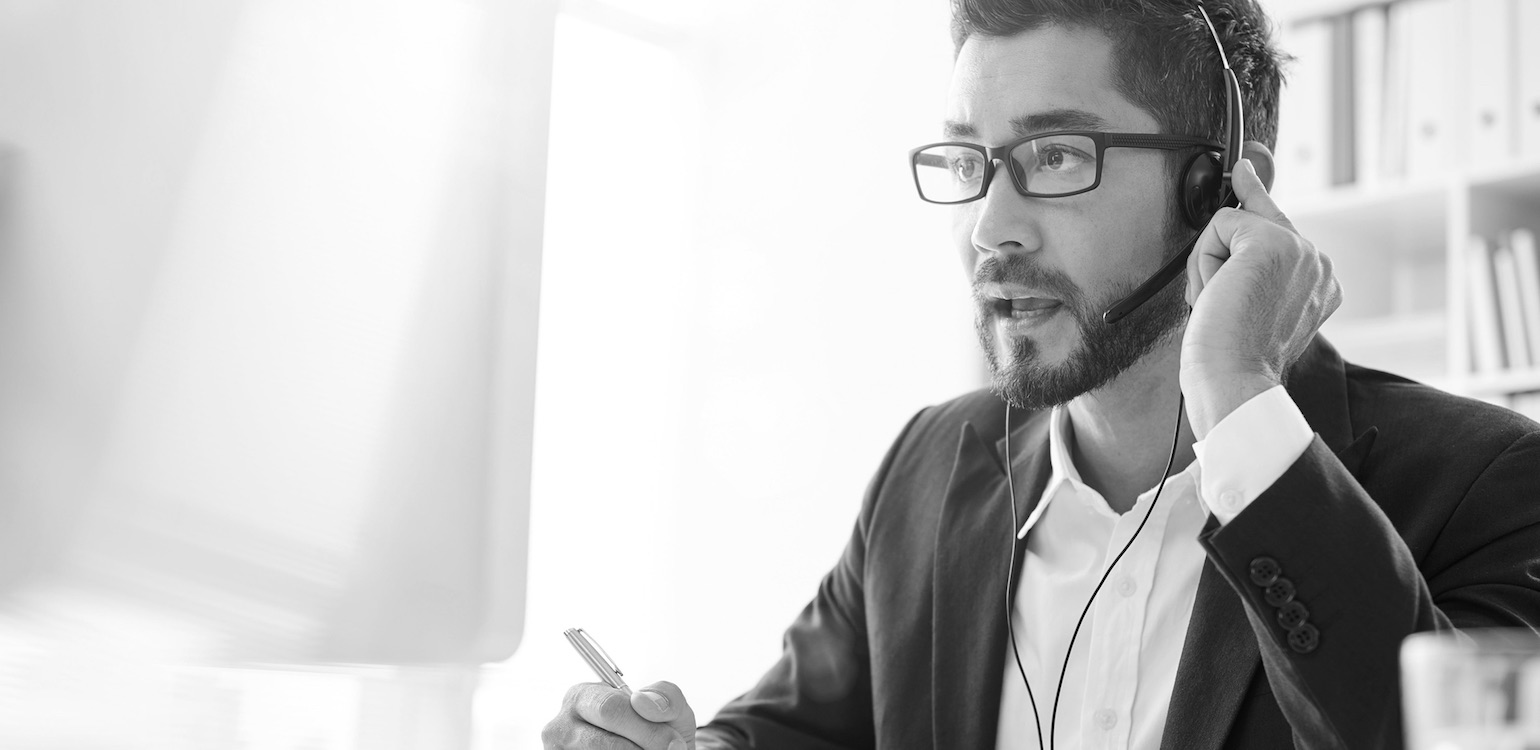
{"x":598,"y":659}
{"x":604,"y":655}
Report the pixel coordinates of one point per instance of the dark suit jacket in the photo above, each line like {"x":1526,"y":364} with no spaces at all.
{"x":1411,"y":510}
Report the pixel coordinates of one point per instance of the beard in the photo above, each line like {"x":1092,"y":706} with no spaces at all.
{"x":1024,"y":380}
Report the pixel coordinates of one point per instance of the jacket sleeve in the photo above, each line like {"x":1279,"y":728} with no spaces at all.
{"x":1331,"y":587}
{"x":818,"y":695}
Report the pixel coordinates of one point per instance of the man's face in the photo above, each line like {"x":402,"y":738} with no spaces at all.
{"x":1044,"y":269}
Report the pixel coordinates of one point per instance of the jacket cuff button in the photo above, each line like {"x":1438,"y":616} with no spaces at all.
{"x":1304,"y":638}
{"x":1265,"y":570}
{"x":1280,"y":593}
{"x":1292,"y":615}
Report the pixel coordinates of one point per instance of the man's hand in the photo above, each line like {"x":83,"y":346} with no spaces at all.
{"x":599,"y":716}
{"x":1259,"y":292}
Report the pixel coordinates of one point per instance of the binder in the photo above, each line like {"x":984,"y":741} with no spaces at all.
{"x":1493,"y":139}
{"x":1398,"y":85}
{"x":1527,"y":109}
{"x":1304,"y":128}
{"x":1431,"y":69}
{"x":1369,"y":62}
{"x":1343,"y":158}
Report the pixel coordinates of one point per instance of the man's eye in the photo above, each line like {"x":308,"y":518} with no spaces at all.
{"x":1062,"y":159}
{"x":966,"y":168}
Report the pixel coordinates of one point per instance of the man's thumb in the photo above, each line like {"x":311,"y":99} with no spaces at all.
{"x":664,"y":703}
{"x":654,"y":706}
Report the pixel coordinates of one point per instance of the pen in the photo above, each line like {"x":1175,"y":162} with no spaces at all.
{"x":594,"y":654}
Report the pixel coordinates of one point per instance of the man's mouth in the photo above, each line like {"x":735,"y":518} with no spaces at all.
{"x":1013,"y":301}
{"x":1025,"y":306}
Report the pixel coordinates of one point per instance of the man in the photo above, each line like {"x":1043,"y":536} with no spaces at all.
{"x":1237,"y":573}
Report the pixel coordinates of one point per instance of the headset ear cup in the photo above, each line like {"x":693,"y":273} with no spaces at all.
{"x":1202,"y":182}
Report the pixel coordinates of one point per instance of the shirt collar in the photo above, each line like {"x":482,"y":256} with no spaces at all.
{"x":1063,"y":472}
{"x":1063,"y":467}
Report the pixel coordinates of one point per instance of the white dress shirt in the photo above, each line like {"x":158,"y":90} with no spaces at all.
{"x":1118,"y":685}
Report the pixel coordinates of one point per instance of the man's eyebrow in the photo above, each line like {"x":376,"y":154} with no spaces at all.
{"x":1040,"y":122}
{"x":953,"y":130}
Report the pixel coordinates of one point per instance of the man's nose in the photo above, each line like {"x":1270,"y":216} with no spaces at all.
{"x":1005,"y":219}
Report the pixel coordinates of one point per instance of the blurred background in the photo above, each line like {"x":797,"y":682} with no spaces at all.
{"x":350,"y":351}
{"x":274,"y":469}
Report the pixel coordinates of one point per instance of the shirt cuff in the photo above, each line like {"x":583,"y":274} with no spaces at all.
{"x":1248,"y":450}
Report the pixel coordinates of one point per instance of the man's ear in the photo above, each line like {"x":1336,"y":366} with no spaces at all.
{"x":1262,"y":159}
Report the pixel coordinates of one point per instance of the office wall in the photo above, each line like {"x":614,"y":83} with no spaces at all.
{"x":268,"y":297}
{"x":744,"y":301}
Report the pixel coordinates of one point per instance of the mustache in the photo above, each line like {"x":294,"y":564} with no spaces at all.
{"x":1019,"y":269}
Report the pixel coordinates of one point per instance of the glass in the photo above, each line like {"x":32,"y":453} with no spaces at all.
{"x":1478,"y":690}
{"x":1046,"y":165}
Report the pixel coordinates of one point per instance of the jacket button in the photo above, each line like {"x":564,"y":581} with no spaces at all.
{"x":1265,"y":570}
{"x":1304,"y":638}
{"x":1292,"y":615}
{"x":1280,"y":593}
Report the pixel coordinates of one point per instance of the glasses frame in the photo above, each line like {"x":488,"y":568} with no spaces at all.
{"x":1002,"y":154}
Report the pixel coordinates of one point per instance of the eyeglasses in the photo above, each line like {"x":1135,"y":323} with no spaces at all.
{"x":1046,"y":165}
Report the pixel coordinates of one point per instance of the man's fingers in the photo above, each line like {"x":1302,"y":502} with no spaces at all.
{"x":1194,"y":279}
{"x":664,"y":702}
{"x":1212,"y":249}
{"x":585,"y":736}
{"x":1253,"y":194}
{"x":612,"y":710}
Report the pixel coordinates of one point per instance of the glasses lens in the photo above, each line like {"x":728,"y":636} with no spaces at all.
{"x":949,"y":173}
{"x":1055,"y":164}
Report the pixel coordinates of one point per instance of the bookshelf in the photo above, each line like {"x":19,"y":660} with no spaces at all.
{"x":1391,"y":162}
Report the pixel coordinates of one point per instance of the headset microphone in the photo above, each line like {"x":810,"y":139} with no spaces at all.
{"x":1205,"y":188}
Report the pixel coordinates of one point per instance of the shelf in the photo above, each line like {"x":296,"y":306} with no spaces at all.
{"x":1509,"y":196}
{"x":1370,"y":226}
{"x":1290,"y":12}
{"x":1411,"y":345}
{"x":1496,"y":384}
{"x":1390,"y":330}
{"x":1518,"y":177}
{"x":1384,"y":200}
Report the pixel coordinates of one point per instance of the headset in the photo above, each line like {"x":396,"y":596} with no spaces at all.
{"x":1204,"y":188}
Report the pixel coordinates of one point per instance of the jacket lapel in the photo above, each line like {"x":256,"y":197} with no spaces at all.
{"x":1220,"y":654}
{"x":973,"y":544}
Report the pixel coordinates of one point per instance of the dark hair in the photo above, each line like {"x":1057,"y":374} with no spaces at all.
{"x":1165,"y":60}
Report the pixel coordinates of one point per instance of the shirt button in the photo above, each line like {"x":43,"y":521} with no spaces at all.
{"x":1230,"y":500}
{"x":1126,"y":586}
{"x":1106,"y":718}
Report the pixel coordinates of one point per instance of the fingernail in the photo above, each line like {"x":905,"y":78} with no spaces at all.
{"x":676,"y":745}
{"x":661,"y":701}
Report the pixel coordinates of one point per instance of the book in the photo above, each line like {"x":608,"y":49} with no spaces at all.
{"x":1526,"y":258}
{"x":1510,"y":310}
{"x":1485,"y":330}
{"x":1369,"y":61}
{"x":1490,"y":31}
